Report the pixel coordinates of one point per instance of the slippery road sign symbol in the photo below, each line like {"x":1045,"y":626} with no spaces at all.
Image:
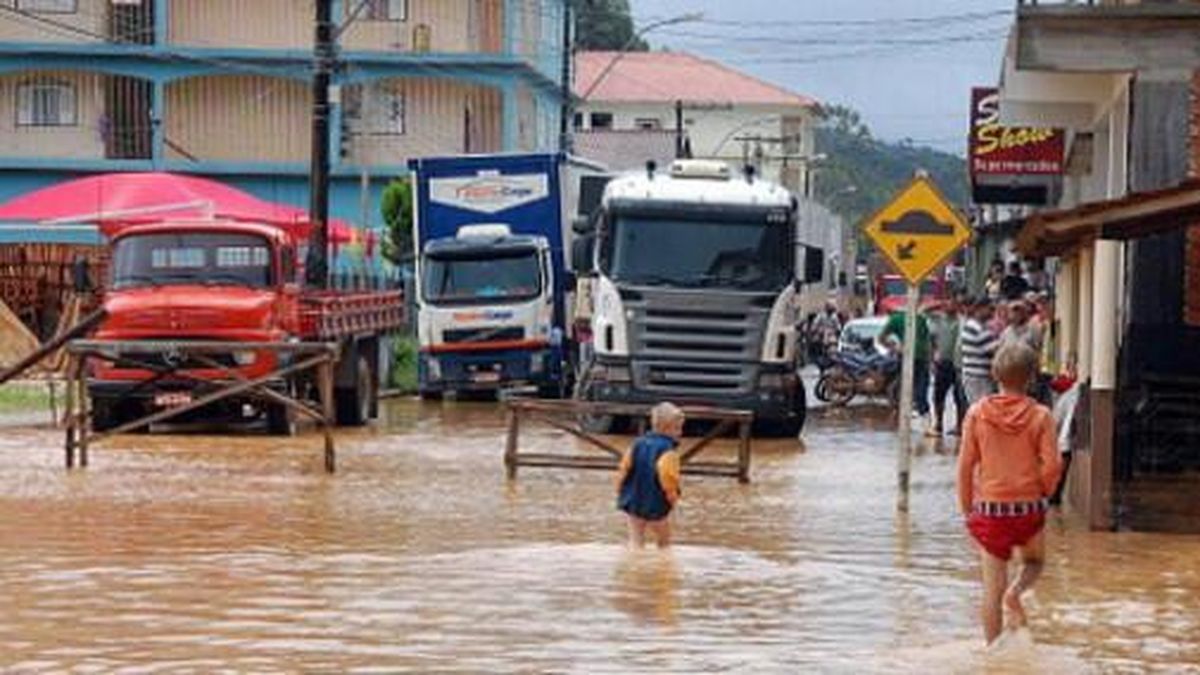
{"x":918,"y":230}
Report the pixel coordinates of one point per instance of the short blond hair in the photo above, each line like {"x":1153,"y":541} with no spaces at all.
{"x":664,"y":415}
{"x":1015,"y":365}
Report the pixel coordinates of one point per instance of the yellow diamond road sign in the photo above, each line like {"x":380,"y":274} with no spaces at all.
{"x":918,"y":230}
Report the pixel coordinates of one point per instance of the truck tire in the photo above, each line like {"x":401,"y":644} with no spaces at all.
{"x":354,"y":403}
{"x":792,"y":426}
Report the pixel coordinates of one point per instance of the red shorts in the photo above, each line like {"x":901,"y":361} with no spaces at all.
{"x":998,"y":535}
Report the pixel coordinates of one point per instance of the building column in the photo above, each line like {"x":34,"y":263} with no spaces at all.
{"x":1065,"y":312}
{"x":335,"y":124}
{"x":1105,"y":305}
{"x":158,"y":135}
{"x":162,"y":21}
{"x":1083,"y":345}
{"x":511,"y":22}
{"x":510,"y":117}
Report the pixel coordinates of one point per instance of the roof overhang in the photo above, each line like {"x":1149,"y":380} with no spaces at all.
{"x":1137,"y":215}
{"x":1107,"y":37}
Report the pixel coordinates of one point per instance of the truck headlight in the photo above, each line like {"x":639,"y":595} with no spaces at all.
{"x":244,"y":358}
{"x":537,"y":364}
{"x":770,"y":381}
{"x":433,"y":368}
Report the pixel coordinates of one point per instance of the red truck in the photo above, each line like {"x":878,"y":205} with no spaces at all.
{"x":891,"y":292}
{"x":229,"y":281}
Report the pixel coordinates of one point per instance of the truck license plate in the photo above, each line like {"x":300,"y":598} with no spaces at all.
{"x":485,"y":376}
{"x":172,"y":399}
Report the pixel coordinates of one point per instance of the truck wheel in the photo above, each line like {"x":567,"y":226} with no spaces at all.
{"x":281,"y":420}
{"x":794,"y":425}
{"x":354,"y":404}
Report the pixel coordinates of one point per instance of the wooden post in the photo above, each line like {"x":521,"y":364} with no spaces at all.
{"x":69,"y":411}
{"x":85,"y":414}
{"x":510,"y":443}
{"x":744,"y":430}
{"x":325,"y":385}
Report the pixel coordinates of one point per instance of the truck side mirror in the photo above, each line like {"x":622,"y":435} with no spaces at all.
{"x":814,"y":264}
{"x":583,"y":252}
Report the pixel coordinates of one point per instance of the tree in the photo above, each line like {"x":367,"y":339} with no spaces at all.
{"x":606,"y":25}
{"x":397,"y":209}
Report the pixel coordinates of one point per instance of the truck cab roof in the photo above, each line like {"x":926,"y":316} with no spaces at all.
{"x":511,"y":243}
{"x":697,"y":182}
{"x":273,"y":233}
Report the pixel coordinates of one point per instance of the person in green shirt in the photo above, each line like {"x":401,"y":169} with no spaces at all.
{"x":947,"y":364}
{"x":892,"y":338}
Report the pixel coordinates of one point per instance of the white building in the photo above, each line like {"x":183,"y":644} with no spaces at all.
{"x":726,"y":114}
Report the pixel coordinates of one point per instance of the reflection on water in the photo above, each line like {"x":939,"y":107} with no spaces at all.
{"x":195,"y":552}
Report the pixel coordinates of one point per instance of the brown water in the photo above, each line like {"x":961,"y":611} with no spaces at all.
{"x":199,"y":552}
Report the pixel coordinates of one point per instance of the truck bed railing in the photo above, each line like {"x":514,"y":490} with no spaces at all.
{"x":332,"y":315}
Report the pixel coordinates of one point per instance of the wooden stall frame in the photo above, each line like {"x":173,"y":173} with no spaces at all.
{"x":317,"y":356}
{"x":568,"y":416}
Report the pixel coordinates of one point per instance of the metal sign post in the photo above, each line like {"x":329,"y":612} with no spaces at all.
{"x":907,"y":377}
{"x":917,"y":232}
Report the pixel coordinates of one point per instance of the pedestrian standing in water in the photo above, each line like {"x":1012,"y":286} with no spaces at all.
{"x":1008,"y":467}
{"x":979,"y":345}
{"x":891,"y":338}
{"x":947,"y":365}
{"x":648,"y":477}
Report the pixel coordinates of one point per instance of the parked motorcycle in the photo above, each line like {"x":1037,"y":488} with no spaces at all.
{"x":852,"y":374}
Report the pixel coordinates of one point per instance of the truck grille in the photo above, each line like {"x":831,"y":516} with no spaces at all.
{"x":696,"y":342}
{"x":166,"y":361}
{"x":484,"y":334}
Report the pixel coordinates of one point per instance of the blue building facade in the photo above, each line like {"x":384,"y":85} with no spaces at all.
{"x":220,"y":88}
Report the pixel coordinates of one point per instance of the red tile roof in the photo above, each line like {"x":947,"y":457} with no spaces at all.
{"x":643,"y":77}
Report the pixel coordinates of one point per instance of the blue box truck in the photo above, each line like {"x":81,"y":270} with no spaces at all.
{"x":491,"y":238}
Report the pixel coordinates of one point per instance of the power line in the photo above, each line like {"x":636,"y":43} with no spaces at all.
{"x":965,"y":17}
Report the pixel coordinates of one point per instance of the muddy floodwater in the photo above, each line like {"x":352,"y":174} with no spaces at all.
{"x":198,"y":552}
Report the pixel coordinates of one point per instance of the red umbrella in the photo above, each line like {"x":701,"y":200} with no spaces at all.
{"x":116,"y":199}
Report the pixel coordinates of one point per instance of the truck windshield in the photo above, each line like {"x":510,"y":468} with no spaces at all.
{"x":467,"y":280}
{"x":208,"y":258}
{"x":695,"y":253}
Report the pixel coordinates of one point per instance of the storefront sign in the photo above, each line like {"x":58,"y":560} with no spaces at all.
{"x":997,"y":149}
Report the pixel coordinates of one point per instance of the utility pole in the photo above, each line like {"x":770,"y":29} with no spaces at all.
{"x":679,"y":150}
{"x":324,"y":55}
{"x":568,"y":107}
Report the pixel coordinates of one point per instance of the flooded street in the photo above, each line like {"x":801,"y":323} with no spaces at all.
{"x":200,"y":552}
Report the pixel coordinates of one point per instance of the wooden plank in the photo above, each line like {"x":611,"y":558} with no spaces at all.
{"x":88,"y":324}
{"x":703,"y":443}
{"x":583,"y":435}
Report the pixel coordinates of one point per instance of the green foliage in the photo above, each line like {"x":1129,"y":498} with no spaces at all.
{"x":19,"y":396}
{"x":606,"y":25}
{"x":876,"y":169}
{"x":404,"y":364}
{"x":397,"y":209}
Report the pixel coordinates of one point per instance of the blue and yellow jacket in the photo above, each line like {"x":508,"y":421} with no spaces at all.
{"x":648,"y":477}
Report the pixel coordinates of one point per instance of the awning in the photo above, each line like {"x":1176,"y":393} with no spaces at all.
{"x":1133,"y":216}
{"x":115,"y":200}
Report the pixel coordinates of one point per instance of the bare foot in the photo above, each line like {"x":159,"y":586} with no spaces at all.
{"x":1016,"y":611}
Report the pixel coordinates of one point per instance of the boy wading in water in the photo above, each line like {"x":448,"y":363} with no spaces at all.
{"x":1008,"y":466}
{"x":648,"y":477}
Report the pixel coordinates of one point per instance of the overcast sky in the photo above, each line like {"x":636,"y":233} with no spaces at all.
{"x":907,"y":65}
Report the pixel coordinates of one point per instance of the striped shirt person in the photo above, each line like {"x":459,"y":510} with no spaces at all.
{"x":979,"y":345}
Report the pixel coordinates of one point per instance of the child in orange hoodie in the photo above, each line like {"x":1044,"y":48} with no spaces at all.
{"x":1008,"y":466}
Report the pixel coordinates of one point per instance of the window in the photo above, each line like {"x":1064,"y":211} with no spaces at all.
{"x":647,"y":123}
{"x":387,"y":10}
{"x":46,"y":104}
{"x":48,"y":6}
{"x":578,"y":121}
{"x":602,"y":120}
{"x":380,"y":110}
